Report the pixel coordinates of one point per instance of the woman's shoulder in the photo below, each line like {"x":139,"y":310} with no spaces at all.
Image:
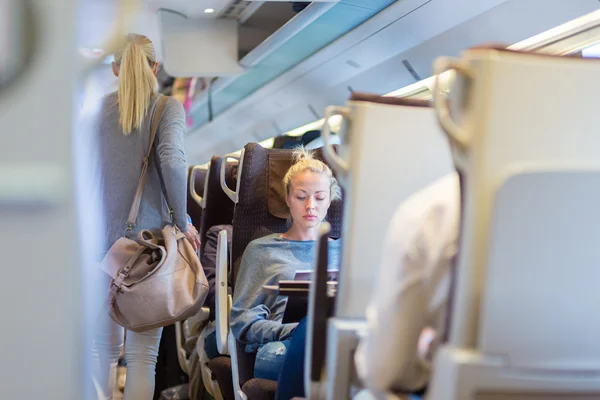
{"x":260,"y":248}
{"x":171,"y":102}
{"x":110,"y":102}
{"x":273,"y":241}
{"x":265,"y":240}
{"x":173,"y":108}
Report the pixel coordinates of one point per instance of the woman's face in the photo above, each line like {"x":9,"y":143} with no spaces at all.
{"x":309,"y":199}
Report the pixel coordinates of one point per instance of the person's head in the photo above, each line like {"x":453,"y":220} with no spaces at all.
{"x":135,"y":65}
{"x":310,"y":188}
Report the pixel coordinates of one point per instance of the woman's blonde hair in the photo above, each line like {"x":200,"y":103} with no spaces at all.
{"x":304,"y":160}
{"x":137,"y":83}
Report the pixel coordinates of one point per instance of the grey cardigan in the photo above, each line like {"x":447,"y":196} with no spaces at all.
{"x":256,"y":318}
{"x":120,"y":163}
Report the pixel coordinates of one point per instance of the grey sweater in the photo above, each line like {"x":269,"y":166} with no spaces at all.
{"x":120,"y":165}
{"x":256,"y":317}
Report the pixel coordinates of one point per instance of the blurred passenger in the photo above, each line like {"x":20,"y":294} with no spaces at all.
{"x":256,"y":318}
{"x":407,"y":314}
{"x":123,"y":138}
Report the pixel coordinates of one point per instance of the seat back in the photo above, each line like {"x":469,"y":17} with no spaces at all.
{"x":218,"y":208}
{"x":391,"y":148}
{"x":525,"y":283}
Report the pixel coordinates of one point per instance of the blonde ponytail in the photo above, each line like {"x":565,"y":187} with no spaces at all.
{"x":137,"y":83}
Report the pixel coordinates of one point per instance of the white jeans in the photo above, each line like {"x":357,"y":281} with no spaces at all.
{"x":141,"y":353}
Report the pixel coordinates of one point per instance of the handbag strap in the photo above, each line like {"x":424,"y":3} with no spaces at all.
{"x":137,"y":199}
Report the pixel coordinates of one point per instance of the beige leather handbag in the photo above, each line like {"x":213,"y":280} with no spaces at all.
{"x":156,"y":281}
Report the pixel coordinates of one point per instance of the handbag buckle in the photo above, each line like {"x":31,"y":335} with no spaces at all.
{"x":116,"y":289}
{"x":129,"y":229}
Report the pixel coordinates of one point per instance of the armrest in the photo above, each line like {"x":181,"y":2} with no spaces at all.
{"x":223,"y":298}
{"x":235,"y":369}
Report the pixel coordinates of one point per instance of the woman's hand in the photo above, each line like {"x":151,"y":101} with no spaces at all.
{"x":192,"y":236}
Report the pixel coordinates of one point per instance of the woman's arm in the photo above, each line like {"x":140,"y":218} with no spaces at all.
{"x":251,"y":321}
{"x":171,"y":159}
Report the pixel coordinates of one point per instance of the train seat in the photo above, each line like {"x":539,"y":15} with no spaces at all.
{"x":391,"y":147}
{"x":218,"y":210}
{"x":525,"y":285}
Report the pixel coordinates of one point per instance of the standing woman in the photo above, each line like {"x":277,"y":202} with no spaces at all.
{"x":123,"y":137}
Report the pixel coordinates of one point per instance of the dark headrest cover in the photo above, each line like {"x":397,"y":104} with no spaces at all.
{"x":310,"y":136}
{"x":291,"y":142}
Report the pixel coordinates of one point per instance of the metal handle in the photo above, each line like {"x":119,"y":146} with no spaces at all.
{"x":458,"y":136}
{"x":199,"y":199}
{"x":230,"y":193}
{"x":336,"y":162}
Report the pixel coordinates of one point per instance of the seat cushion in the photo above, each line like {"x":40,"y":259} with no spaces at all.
{"x":221,"y":369}
{"x":260,"y":389}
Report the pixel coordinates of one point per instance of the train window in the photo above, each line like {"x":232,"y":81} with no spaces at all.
{"x":267,"y":144}
{"x":591,"y":51}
